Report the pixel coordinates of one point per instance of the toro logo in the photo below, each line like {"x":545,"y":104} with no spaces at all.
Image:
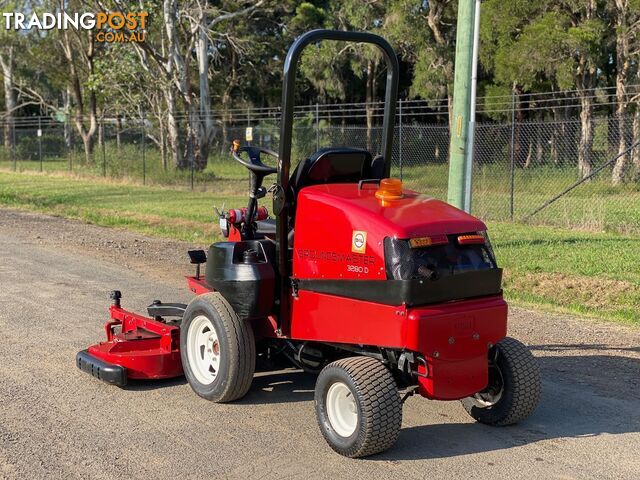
{"x":359,"y":241}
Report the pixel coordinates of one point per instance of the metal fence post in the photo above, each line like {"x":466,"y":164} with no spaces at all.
{"x":39,"y":133}
{"x":317,"y":127}
{"x":13,"y":146}
{"x":144,"y":159}
{"x":192,"y":160}
{"x":104,"y":152}
{"x":400,"y":138}
{"x":192,"y":172}
{"x":512,"y":155}
{"x":248,"y":123}
{"x":71,"y":147}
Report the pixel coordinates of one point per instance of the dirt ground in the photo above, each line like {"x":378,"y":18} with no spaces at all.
{"x":56,"y":422}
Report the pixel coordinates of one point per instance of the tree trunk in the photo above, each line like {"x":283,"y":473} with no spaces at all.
{"x":196,"y":149}
{"x":10,"y":99}
{"x":67,"y":108}
{"x":518,"y":150}
{"x":539,"y":146}
{"x":173,"y":129}
{"x":554,"y":146}
{"x":87,"y":134}
{"x":205,"y":128}
{"x":177,"y":74}
{"x":556,"y":133}
{"x":635,"y":153}
{"x":527,"y":161}
{"x":193,"y":153}
{"x":118,"y":131}
{"x":620,"y":167}
{"x":622,"y":70}
{"x":369,"y":102}
{"x":101,"y":136}
{"x":225,"y":134}
{"x":585,"y":165}
{"x":163,"y":148}
{"x":162,"y":134}
{"x":232,"y":81}
{"x":585,"y":76}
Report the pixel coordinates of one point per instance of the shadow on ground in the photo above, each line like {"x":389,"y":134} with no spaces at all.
{"x":574,"y":404}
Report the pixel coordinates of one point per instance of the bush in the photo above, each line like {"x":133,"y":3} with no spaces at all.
{"x":52,"y":146}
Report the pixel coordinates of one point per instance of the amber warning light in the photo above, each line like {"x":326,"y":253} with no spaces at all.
{"x":390,"y":189}
{"x":471,"y":240}
{"x":433,"y":240}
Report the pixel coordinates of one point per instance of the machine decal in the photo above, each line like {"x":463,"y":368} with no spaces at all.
{"x":322,"y":255}
{"x":359,"y":241}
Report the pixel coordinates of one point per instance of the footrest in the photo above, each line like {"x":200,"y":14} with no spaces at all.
{"x":107,"y":372}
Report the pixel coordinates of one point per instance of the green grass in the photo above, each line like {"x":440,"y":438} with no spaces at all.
{"x":594,"y":205}
{"x":596,"y":274}
{"x":590,"y":273}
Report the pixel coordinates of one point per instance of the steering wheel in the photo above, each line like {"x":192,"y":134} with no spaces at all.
{"x":254,"y":164}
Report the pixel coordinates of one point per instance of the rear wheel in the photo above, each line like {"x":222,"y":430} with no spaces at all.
{"x":217,"y":348}
{"x":514,"y":387}
{"x":358,"y":406}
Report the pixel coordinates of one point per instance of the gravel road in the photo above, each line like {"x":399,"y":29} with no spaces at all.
{"x":56,"y":422}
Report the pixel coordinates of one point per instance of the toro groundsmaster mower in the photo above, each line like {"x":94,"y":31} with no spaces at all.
{"x":376,"y":288}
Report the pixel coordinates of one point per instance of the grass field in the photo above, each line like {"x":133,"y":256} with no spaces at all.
{"x":591,"y":273}
{"x":594,"y":205}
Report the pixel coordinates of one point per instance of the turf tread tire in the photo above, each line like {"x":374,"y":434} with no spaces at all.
{"x":241,"y":350}
{"x":379,"y":405}
{"x":522,"y":387}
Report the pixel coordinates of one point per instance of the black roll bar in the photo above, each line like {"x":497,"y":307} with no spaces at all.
{"x":281,"y":200}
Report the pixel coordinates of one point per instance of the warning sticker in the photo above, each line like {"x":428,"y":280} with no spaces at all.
{"x":359,"y":241}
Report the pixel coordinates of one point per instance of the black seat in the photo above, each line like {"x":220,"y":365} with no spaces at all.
{"x":327,"y":165}
{"x":335,"y":165}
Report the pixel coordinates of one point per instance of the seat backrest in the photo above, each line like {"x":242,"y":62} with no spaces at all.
{"x":332,"y":165}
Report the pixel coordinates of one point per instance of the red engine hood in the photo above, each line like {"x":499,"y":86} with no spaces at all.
{"x":414,"y":215}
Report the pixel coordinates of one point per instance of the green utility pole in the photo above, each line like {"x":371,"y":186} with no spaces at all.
{"x":461,"y":103}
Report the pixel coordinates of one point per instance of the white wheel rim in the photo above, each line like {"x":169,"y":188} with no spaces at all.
{"x":203,"y":350}
{"x":342,"y":409}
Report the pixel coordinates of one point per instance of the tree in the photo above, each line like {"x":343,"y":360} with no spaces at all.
{"x":69,"y":75}
{"x":9,"y":41}
{"x":333,"y":69}
{"x":625,"y":19}
{"x":79,"y":51}
{"x":10,"y":97}
{"x":635,"y":153}
{"x":191,"y":27}
{"x":554,"y":41}
{"x":425,"y":34}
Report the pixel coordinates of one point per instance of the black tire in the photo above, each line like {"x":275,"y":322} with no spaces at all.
{"x":237,"y":349}
{"x":514,"y":386}
{"x":379,"y":409}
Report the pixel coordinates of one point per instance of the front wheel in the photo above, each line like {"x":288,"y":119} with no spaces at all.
{"x":358,"y":406}
{"x":217,"y":348}
{"x":514,"y":386}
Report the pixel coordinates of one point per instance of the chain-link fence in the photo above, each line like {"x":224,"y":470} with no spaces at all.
{"x":518,"y":166}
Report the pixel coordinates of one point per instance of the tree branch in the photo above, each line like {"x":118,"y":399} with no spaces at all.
{"x":231,"y":15}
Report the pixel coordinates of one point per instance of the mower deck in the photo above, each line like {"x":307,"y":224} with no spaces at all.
{"x":144,"y":348}
{"x":107,"y":372}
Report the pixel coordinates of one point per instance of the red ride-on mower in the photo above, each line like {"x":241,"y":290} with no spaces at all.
{"x":374,"y":287}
